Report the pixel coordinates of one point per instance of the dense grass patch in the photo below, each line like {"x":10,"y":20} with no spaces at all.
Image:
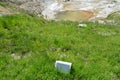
{"x":94,"y":50}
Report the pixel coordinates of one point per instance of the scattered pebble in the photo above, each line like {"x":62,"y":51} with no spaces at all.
{"x":106,"y":33}
{"x":81,"y":25}
{"x":15,"y":56}
{"x":101,"y":22}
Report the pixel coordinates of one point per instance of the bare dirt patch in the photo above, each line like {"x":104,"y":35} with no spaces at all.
{"x":74,"y":15}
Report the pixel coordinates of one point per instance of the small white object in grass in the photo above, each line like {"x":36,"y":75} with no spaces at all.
{"x":15,"y":56}
{"x":81,"y":25}
{"x":63,"y":66}
{"x":101,"y":22}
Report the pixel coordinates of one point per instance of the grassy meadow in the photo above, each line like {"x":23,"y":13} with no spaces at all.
{"x":38,"y":43}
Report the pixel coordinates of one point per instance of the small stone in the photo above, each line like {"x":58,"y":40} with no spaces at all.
{"x":101,"y":22}
{"x":81,"y":25}
{"x":15,"y":56}
{"x":66,"y":0}
{"x":62,"y":66}
{"x":110,"y":21}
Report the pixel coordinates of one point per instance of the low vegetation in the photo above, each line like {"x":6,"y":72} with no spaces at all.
{"x":29,"y":47}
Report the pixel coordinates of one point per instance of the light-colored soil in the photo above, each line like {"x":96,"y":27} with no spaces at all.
{"x":74,"y":15}
{"x":100,"y":8}
{"x":5,"y":11}
{"x":49,"y":8}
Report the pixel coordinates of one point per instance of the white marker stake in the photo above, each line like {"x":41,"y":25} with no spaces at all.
{"x":63,"y":66}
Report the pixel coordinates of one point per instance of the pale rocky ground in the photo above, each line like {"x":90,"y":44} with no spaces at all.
{"x":91,"y":9}
{"x":5,"y":11}
{"x":100,"y":8}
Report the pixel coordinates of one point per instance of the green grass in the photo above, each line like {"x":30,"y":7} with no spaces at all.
{"x":94,"y":50}
{"x":3,"y":4}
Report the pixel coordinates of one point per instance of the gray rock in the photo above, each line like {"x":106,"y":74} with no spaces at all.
{"x":81,"y":25}
{"x":15,"y":56}
{"x":110,"y":21}
{"x":62,"y":66}
{"x":101,"y":22}
{"x":66,"y":0}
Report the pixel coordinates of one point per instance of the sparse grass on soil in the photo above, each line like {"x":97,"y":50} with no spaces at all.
{"x":94,"y":50}
{"x":74,"y":15}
